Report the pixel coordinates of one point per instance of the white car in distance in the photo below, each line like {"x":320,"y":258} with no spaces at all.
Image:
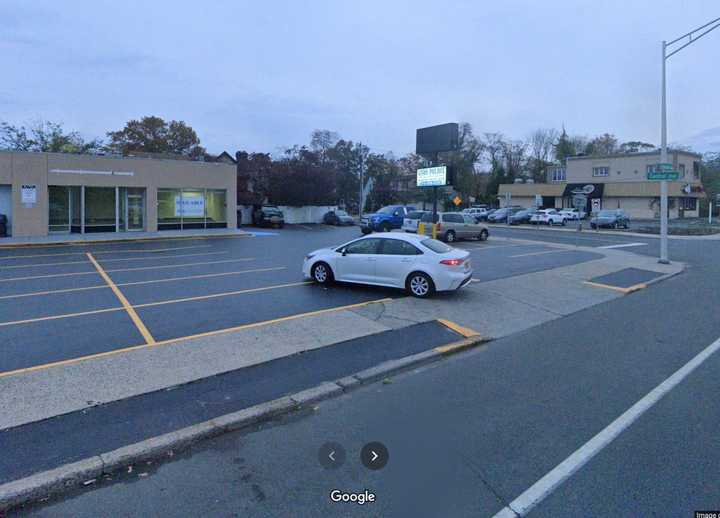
{"x":548,"y":217}
{"x":416,"y":263}
{"x":570,"y":214}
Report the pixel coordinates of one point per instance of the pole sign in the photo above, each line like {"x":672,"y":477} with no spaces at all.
{"x":538,"y":200}
{"x":432,"y":176}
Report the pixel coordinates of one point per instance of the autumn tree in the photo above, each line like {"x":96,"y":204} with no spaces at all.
{"x":154,"y":135}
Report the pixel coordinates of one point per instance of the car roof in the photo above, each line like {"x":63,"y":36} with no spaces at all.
{"x":402,"y":236}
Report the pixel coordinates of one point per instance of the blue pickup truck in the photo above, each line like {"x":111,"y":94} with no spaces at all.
{"x":385,"y":219}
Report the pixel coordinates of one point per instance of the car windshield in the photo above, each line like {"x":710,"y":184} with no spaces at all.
{"x":387,"y":210}
{"x":606,"y":213}
{"x":436,"y":246}
{"x":341,"y":213}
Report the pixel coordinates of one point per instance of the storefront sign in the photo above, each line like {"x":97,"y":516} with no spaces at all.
{"x":28,"y":195}
{"x":190,"y":206}
{"x":432,"y":176}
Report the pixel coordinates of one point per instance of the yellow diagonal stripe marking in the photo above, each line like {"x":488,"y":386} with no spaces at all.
{"x":119,"y":294}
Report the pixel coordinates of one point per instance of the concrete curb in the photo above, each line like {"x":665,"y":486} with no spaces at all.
{"x":36,"y":244}
{"x":73,"y":475}
{"x":700,"y":237}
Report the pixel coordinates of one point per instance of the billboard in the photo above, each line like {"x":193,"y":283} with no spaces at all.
{"x":432,"y":176}
{"x":436,"y":139}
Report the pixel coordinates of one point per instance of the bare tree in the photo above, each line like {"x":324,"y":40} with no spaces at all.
{"x":541,"y":144}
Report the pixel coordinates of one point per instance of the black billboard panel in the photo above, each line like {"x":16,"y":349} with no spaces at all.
{"x":436,"y":139}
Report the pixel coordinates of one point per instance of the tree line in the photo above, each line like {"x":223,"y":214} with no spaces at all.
{"x":327,"y":170}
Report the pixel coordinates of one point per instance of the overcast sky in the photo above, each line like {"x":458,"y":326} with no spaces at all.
{"x":260,"y":75}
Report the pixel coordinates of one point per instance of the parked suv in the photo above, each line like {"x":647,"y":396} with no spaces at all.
{"x":452,"y":226}
{"x":548,"y":217}
{"x":268,"y":215}
{"x":410,"y":223}
{"x":385,"y":219}
{"x":610,"y":218}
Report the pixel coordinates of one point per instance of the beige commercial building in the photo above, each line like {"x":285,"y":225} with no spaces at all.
{"x":43,"y":193}
{"x":616,"y":182}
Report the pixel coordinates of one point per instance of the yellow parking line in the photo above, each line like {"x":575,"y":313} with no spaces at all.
{"x":186,"y":338}
{"x":57,"y":317}
{"x":541,"y":253}
{"x":134,"y":250}
{"x":180,"y":265}
{"x":224,"y":294}
{"x":629,"y":289}
{"x":119,"y":294}
{"x":149,"y":304}
{"x":152,"y":281}
{"x":15,"y":266}
{"x":94,"y":272}
{"x":464,"y":331}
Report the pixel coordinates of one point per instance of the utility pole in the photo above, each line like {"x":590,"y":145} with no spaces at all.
{"x":361,"y":205}
{"x":691,"y":38}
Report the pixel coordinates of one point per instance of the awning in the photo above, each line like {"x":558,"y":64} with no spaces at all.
{"x":592,"y":190}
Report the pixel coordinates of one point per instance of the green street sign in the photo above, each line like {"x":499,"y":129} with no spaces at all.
{"x":664,"y":168}
{"x":663,"y":175}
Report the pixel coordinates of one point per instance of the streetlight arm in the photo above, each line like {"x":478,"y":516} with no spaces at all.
{"x":693,"y":40}
{"x":694,"y":31}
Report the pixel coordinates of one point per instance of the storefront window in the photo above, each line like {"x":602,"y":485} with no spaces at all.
{"x":59,"y":204}
{"x":216,"y":209}
{"x":99,"y":209}
{"x":169,"y":209}
{"x":191,"y":208}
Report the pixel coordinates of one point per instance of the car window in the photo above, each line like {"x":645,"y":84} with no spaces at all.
{"x":453,"y":218}
{"x":470,"y":220}
{"x":363,"y":246}
{"x":387,"y":210}
{"x":436,"y":246}
{"x":414,"y":215}
{"x":398,"y":247}
{"x":427,"y":217}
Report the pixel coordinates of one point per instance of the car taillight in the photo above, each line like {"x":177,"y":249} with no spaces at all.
{"x":452,"y":262}
{"x":438,"y":226}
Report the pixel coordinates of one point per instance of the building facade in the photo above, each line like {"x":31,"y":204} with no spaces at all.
{"x":44,"y":193}
{"x":617,"y":182}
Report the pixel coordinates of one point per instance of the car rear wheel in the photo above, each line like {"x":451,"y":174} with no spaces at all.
{"x":483,"y":235}
{"x":450,"y":236}
{"x":322,"y":273}
{"x":419,"y":285}
{"x":563,"y":222}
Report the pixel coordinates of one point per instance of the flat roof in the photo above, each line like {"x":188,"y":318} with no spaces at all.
{"x":112,"y":157}
{"x":640,"y":153}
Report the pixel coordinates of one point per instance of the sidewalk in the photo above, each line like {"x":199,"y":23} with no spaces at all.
{"x":103,"y":237}
{"x":586,"y":229}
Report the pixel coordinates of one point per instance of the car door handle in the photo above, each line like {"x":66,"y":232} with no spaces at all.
{"x":371,"y":259}
{"x":407,"y":260}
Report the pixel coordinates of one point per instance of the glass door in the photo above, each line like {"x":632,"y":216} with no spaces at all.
{"x":135,"y":219}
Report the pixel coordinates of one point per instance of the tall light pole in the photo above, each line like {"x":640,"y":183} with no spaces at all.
{"x":691,"y":38}
{"x":362,"y":186}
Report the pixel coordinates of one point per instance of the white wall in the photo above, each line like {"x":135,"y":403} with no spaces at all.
{"x":308,"y":214}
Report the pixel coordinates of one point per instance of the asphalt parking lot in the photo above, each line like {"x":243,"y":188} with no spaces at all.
{"x":65,"y":302}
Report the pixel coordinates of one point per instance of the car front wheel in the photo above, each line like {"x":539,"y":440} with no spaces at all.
{"x":419,"y":285}
{"x":483,"y":235}
{"x":450,"y":236}
{"x":322,"y":274}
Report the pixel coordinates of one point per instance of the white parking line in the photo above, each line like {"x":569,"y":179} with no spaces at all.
{"x":623,"y":246}
{"x":552,"y":480}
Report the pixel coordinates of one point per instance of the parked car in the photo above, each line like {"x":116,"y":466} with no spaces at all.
{"x":416,"y":263}
{"x":572,"y":214}
{"x":486,"y":216}
{"x":475,"y":212}
{"x":548,"y":217}
{"x":522,"y":216}
{"x":385,"y":219}
{"x":610,"y":218}
{"x":410,"y":222}
{"x":452,"y":226}
{"x":338,"y":217}
{"x":501,"y":215}
{"x":268,"y":216}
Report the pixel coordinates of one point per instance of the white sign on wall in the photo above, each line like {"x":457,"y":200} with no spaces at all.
{"x":28,"y":194}
{"x":190,"y":206}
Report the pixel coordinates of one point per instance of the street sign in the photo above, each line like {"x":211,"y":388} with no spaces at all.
{"x":663,"y":175}
{"x":596,"y":204}
{"x":664,"y":167}
{"x":579,"y":202}
{"x":457,"y":200}
{"x":538,"y":200}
